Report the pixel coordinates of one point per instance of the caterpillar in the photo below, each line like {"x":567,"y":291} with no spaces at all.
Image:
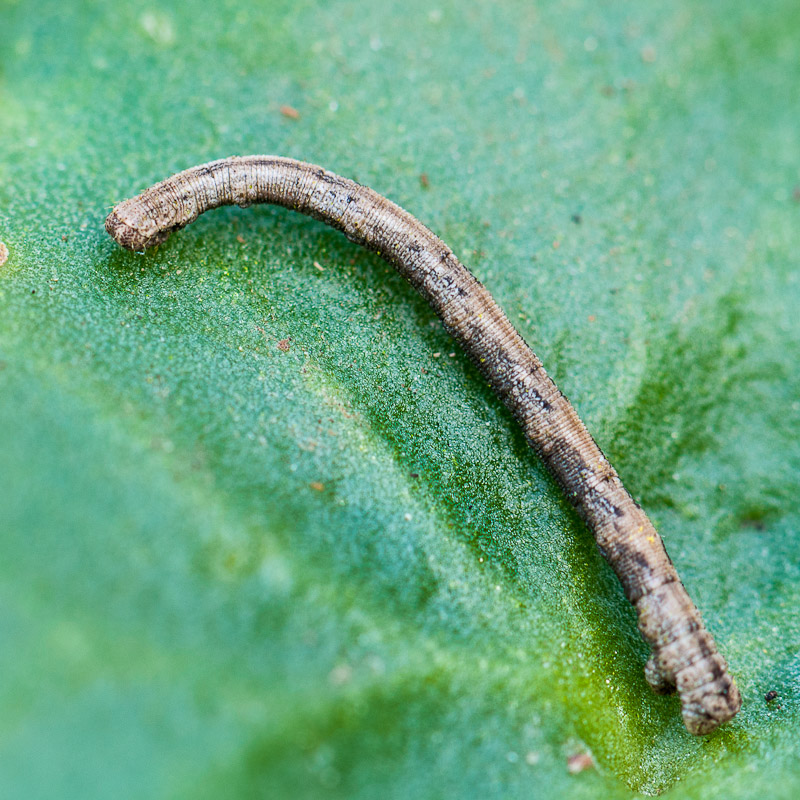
{"x":683,"y":653}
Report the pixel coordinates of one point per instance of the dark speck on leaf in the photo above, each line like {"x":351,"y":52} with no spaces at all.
{"x":771,"y":695}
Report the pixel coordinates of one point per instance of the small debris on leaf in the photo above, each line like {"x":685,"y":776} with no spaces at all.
{"x":341,"y":674}
{"x":579,"y":762}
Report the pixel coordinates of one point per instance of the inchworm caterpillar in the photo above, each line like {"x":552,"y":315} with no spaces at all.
{"x":684,"y":655}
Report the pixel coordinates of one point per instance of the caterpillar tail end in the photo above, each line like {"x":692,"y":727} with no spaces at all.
{"x":685,"y":658}
{"x":709,"y":695}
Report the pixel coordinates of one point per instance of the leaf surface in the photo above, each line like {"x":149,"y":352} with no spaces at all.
{"x":228,"y":568}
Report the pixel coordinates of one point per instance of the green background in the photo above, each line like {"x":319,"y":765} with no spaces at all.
{"x":337,"y":571}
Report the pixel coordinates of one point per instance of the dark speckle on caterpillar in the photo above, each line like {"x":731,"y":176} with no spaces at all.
{"x":684,"y":656}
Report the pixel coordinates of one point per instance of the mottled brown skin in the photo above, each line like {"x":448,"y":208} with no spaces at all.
{"x":684,"y":655}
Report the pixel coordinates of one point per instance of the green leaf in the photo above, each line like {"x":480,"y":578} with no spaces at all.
{"x":232,"y":570}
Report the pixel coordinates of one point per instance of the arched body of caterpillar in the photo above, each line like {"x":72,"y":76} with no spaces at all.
{"x":684,"y":655}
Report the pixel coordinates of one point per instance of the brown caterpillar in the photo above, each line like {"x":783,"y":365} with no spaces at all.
{"x":684,"y":655}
